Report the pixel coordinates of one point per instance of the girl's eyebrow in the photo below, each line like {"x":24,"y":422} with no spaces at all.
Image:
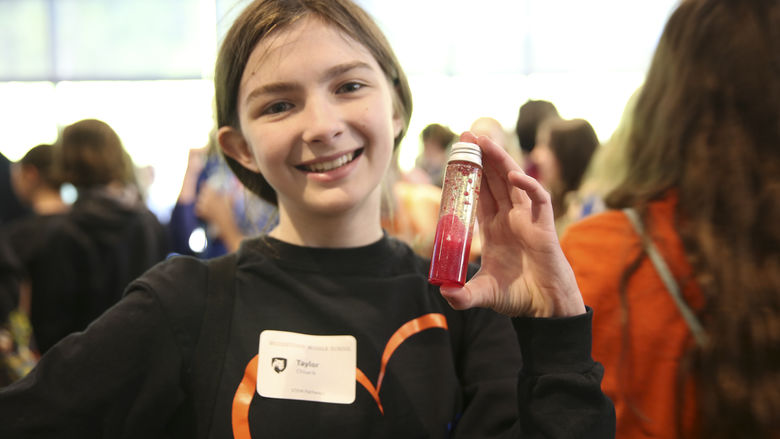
{"x":280,"y":87}
{"x":344,"y":68}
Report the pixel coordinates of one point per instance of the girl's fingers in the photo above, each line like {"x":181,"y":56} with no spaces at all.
{"x":487,"y":206}
{"x":499,"y":186}
{"x":495,"y":175}
{"x":469,"y":137}
{"x":458,"y":298}
{"x":496,"y":157}
{"x":534,"y":191}
{"x":477,"y":292}
{"x":497,"y":163}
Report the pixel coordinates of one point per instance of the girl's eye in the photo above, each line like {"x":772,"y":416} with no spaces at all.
{"x":277,"y":107}
{"x":350,"y":87}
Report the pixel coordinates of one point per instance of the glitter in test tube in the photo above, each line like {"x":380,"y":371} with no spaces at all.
{"x":460,"y":192}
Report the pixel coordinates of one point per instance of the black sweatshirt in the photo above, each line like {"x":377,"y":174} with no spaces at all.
{"x":128,"y":376}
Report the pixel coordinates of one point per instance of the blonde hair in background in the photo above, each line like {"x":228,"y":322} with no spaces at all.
{"x":608,"y":167}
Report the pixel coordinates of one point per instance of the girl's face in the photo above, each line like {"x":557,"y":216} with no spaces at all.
{"x":317,"y":120}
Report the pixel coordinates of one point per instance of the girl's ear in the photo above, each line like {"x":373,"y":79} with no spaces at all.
{"x":398,"y":124}
{"x":234,"y":146}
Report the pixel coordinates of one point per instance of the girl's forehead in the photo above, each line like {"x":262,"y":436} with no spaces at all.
{"x":311,"y":34}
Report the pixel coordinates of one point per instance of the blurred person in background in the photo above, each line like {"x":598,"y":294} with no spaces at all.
{"x":685,"y":279}
{"x":10,"y":206}
{"x":108,"y":238}
{"x":607,"y":168}
{"x":529,"y":118}
{"x":562,"y":153}
{"x":37,"y":184}
{"x":214,"y":211}
{"x":430,"y":165}
{"x":410,"y":209}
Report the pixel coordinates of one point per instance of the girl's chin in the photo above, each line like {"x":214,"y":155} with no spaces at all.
{"x":337,"y":201}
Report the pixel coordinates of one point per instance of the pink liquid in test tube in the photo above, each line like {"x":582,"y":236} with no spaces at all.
{"x":460,"y":193}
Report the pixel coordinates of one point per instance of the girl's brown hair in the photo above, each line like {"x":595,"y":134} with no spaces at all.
{"x":264,"y":17}
{"x":707,"y":126}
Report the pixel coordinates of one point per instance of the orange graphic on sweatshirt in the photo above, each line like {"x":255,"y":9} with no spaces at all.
{"x":248,"y":385}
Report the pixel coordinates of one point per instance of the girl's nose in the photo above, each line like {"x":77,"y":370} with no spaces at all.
{"x":324,"y":121}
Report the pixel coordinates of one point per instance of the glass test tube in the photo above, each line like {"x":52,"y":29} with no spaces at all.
{"x":460,"y":193}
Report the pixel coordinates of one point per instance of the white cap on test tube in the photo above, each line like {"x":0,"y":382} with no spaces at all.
{"x":467,"y":152}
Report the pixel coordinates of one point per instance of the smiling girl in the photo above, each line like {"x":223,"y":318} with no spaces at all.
{"x":330,"y":328}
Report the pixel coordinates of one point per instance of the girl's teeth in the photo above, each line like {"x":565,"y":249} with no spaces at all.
{"x":333,"y":164}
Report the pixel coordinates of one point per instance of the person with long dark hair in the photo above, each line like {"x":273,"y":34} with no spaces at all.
{"x":686,"y":285}
{"x":562,"y":155}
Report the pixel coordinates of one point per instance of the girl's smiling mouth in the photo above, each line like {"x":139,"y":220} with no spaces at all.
{"x":329,"y":165}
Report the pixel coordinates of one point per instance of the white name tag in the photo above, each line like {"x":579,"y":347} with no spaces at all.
{"x":307,"y":367}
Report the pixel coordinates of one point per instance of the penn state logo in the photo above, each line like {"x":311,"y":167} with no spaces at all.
{"x":279,"y":364}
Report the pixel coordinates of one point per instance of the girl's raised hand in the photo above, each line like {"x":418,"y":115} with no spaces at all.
{"x":523,"y":270}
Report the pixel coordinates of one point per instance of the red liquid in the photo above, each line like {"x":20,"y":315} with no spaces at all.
{"x":451,"y":248}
